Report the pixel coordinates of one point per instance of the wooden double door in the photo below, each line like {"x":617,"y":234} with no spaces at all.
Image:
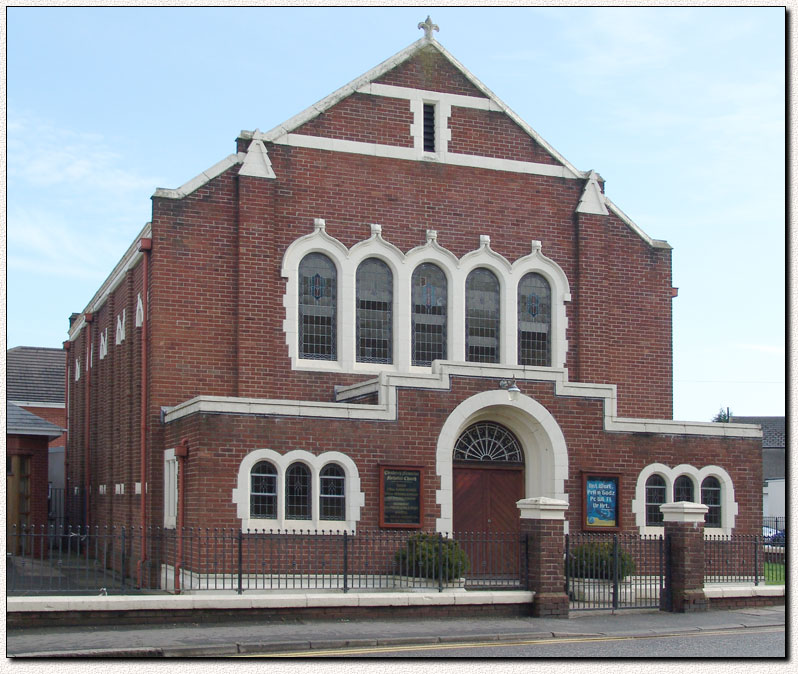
{"x":485,"y":497}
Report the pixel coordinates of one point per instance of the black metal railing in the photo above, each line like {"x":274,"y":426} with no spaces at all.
{"x":111,"y":560}
{"x":774,"y":529}
{"x":615,"y":571}
{"x":740,"y":558}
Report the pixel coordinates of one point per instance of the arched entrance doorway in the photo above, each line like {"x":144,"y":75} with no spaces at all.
{"x":544,"y":465}
{"x":488,"y":479}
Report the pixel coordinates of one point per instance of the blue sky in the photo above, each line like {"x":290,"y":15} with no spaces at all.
{"x":681,"y":110}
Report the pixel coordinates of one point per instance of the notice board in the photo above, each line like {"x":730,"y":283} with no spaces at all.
{"x":401,"y":504}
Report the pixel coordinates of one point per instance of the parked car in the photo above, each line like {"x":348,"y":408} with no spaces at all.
{"x":773,"y":536}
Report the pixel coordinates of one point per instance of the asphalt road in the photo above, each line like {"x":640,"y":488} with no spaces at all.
{"x":745,"y":643}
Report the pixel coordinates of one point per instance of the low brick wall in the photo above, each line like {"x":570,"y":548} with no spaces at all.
{"x":86,"y":618}
{"x":130,"y":610}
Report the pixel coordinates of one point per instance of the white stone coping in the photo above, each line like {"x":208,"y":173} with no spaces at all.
{"x":724,"y":590}
{"x":205,"y":600}
{"x":387,"y":383}
{"x":129,"y":260}
{"x":198,"y":181}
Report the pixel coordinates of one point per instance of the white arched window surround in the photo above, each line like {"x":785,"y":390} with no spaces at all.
{"x":402,"y":266}
{"x":537,"y":431}
{"x":315,"y":463}
{"x":728,"y":504}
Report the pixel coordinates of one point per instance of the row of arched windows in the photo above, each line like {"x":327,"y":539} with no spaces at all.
{"x":683,"y":490}
{"x":429,"y":312}
{"x":297,"y":492}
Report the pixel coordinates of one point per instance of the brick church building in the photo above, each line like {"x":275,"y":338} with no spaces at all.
{"x":401,"y":308}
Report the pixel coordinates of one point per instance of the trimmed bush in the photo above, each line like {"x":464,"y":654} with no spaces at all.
{"x":597,"y":560}
{"x":420,"y":557}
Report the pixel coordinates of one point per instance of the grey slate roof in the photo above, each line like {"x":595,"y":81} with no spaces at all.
{"x":35,"y":374}
{"x":773,"y":429}
{"x":22,"y":422}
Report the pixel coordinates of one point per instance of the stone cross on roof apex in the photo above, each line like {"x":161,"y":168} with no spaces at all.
{"x":428,"y":27}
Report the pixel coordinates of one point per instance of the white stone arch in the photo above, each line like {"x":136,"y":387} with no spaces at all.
{"x":433,"y":253}
{"x":377,"y":248}
{"x":540,"y":436}
{"x":354,"y":496}
{"x":317,"y":242}
{"x":729,"y":506}
{"x":485,"y":257}
{"x":536,"y":262}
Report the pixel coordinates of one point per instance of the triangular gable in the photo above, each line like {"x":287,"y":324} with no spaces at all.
{"x":364,"y":82}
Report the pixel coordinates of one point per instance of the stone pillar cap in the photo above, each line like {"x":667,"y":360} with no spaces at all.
{"x":542,"y":508}
{"x":683,"y":511}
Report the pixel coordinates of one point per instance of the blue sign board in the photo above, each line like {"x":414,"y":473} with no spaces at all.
{"x":601,"y":501}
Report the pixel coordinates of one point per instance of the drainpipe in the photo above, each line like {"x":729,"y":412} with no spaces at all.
{"x":181,"y":454}
{"x":67,"y":345}
{"x":144,"y":247}
{"x":86,"y":419}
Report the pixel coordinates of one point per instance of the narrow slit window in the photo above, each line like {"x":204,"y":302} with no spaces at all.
{"x":655,"y":497}
{"x":534,"y":321}
{"x":297,"y":492}
{"x":482,"y":317}
{"x":263,"y":491}
{"x":429,"y":127}
{"x":317,"y":307}
{"x":710,"y":497}
{"x":332,"y":499}
{"x":683,"y":489}
{"x":429,"y":297}
{"x":374,"y":312}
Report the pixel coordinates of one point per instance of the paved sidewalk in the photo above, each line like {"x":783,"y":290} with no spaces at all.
{"x":233,"y":638}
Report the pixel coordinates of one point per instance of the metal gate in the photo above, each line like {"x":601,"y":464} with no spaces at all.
{"x":614,"y":571}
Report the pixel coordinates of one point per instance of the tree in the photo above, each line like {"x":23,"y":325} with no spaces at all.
{"x":723,"y":416}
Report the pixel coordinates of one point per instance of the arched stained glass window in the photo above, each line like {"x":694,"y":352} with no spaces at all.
{"x":430,"y":300}
{"x":655,"y":497}
{"x":263,"y":491}
{"x":374,"y":312}
{"x":332,"y":496}
{"x":534,"y":321}
{"x":710,"y":497}
{"x":482,"y":317}
{"x":488,"y":441}
{"x":683,"y":489}
{"x":298,"y":492}
{"x":317,"y":307}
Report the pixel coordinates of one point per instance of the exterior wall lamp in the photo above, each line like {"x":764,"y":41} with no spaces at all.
{"x":511,"y":387}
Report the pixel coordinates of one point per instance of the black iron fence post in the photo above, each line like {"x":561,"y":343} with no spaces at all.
{"x":240,"y":562}
{"x":615,"y":571}
{"x":346,"y":564}
{"x":440,"y":562}
{"x":526,"y":560}
{"x":124,"y":570}
{"x":756,"y":560}
{"x":567,"y":565}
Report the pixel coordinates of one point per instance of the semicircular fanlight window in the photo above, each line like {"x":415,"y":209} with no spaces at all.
{"x":488,"y":441}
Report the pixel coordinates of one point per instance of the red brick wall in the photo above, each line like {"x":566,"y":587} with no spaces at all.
{"x":431,"y":71}
{"x":366,"y":119}
{"x":34,"y":447}
{"x":493,"y":134}
{"x":219,"y":443}
{"x":55,"y":415}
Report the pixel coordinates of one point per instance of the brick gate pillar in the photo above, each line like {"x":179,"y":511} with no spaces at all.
{"x":684,"y":533}
{"x":544,"y":520}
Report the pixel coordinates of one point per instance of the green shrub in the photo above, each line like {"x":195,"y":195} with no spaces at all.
{"x":419,"y":558}
{"x":597,"y":560}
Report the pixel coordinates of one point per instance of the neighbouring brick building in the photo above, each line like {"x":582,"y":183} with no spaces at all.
{"x":401,"y":307}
